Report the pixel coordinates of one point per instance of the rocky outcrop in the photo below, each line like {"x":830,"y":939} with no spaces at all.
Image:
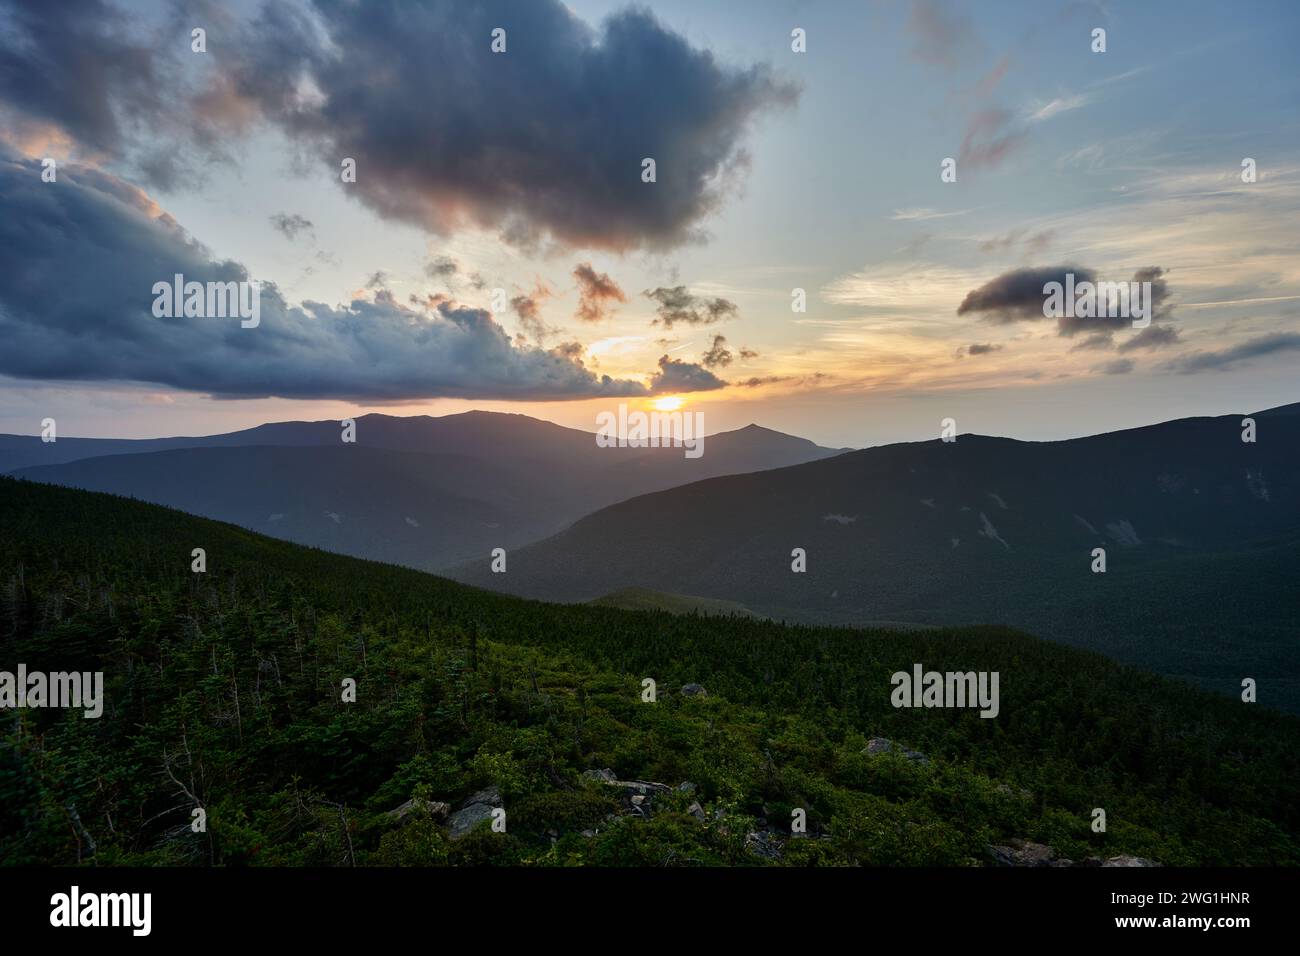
{"x":694,"y":690}
{"x":473,"y":811}
{"x":1017,"y":852}
{"x":880,"y":745}
{"x":407,"y":811}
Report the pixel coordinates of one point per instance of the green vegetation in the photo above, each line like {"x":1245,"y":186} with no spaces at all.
{"x":644,"y":599}
{"x":227,"y":685}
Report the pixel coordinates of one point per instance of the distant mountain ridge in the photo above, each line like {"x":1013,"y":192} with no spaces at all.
{"x":1201,"y":533}
{"x":421,"y":491}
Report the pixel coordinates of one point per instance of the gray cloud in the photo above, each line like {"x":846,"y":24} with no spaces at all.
{"x":441,"y":267}
{"x":76,"y":304}
{"x":718,"y":354}
{"x":675,"y":375}
{"x":979,"y":348}
{"x":1018,"y":296}
{"x":1152,"y":337}
{"x":1222,"y":359}
{"x":676,"y":305}
{"x":597,"y":293}
{"x":290,"y":224}
{"x":528,"y":308}
{"x":1115,"y":367}
{"x":1098,"y":341}
{"x":542,"y":143}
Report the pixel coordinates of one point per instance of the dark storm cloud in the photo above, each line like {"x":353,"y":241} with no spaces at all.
{"x":675,"y":375}
{"x":1017,"y":294}
{"x":76,"y":302}
{"x":597,"y":293}
{"x":676,"y":305}
{"x":71,"y":66}
{"x":1223,"y":359}
{"x":541,"y":142}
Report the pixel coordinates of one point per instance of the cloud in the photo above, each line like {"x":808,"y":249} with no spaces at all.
{"x":76,"y":305}
{"x":1116,"y":367}
{"x":543,"y":142}
{"x":979,"y":348}
{"x":989,"y":139}
{"x":921,"y":214}
{"x":1223,"y":359}
{"x":1098,"y":341}
{"x":441,"y":267}
{"x":718,"y":355}
{"x":71,"y":66}
{"x":528,"y":308}
{"x":1062,"y":104}
{"x":596,"y":293}
{"x":1018,"y":295}
{"x":1152,"y":337}
{"x":291,"y":225}
{"x":675,"y":375}
{"x":678,"y":305}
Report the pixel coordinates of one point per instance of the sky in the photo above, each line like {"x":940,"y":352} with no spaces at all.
{"x":500,"y":249}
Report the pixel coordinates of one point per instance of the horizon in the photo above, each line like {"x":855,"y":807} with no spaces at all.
{"x":684,"y":408}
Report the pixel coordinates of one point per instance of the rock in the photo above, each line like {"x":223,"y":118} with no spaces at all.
{"x":490,"y":795}
{"x":694,"y":690}
{"x":600,"y":776}
{"x":1129,"y":861}
{"x":696,"y":811}
{"x":880,"y":745}
{"x":763,"y":845}
{"x":406,"y":811}
{"x":686,"y":787}
{"x":638,"y":799}
{"x":466,"y":819}
{"x":1019,"y":852}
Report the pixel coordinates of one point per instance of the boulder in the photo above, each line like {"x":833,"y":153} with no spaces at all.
{"x":489,"y":795}
{"x":763,"y":845}
{"x":600,"y":776}
{"x":467,"y":818}
{"x":1019,"y":852}
{"x":694,"y":690}
{"x":408,"y":810}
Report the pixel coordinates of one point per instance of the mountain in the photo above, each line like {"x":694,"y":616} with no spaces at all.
{"x":1201,"y":533}
{"x":421,"y":491}
{"x":227,"y":690}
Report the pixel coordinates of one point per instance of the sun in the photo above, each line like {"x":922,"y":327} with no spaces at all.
{"x":669,"y":403}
